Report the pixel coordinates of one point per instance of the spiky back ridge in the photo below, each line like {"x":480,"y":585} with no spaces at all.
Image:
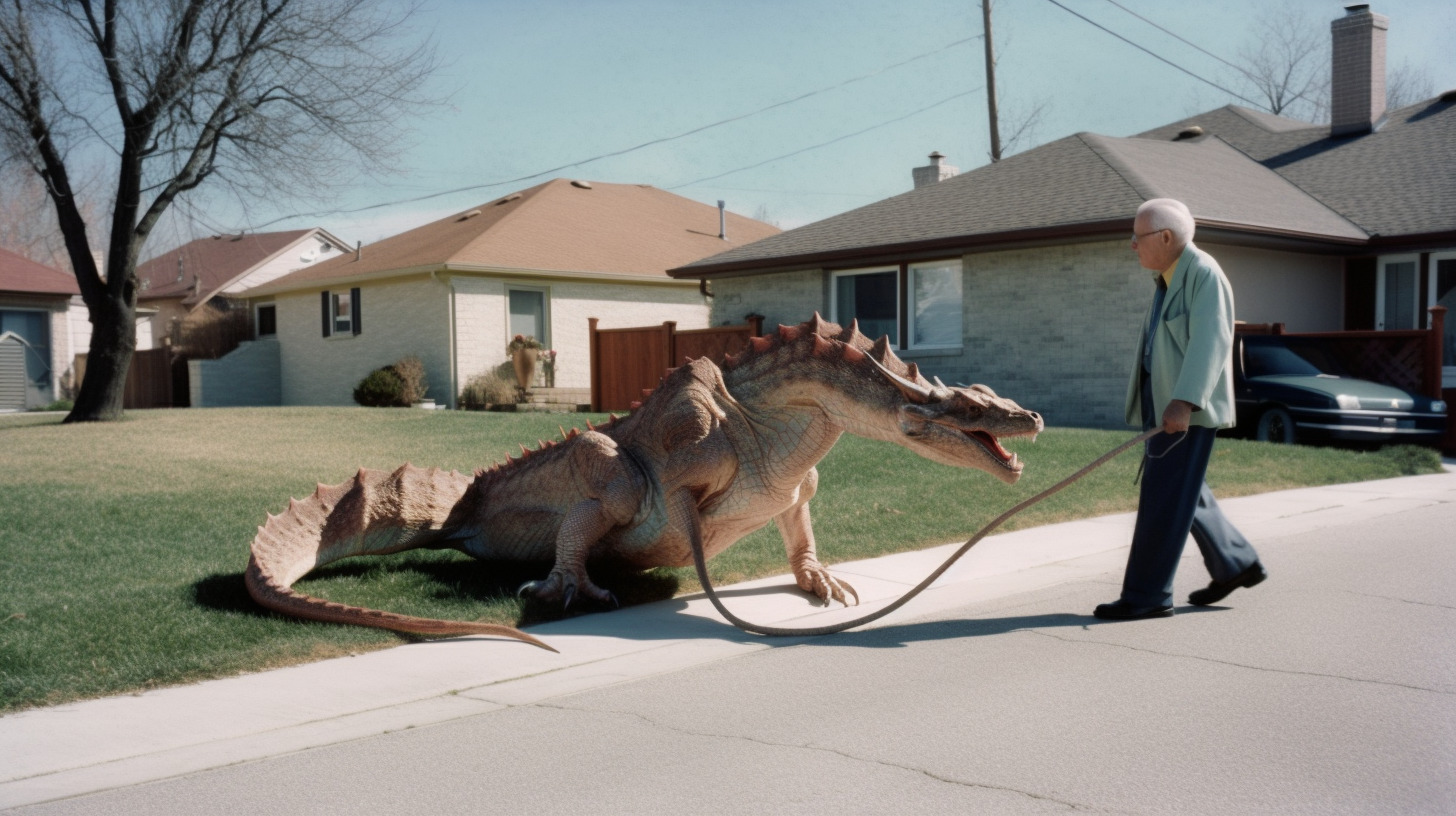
{"x":814,"y":335}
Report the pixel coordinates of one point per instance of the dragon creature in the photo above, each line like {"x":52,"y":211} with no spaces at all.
{"x":711,"y":455}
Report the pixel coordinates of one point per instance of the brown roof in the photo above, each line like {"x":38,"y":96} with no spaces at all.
{"x":631,"y":231}
{"x":213,"y":262}
{"x":22,"y":275}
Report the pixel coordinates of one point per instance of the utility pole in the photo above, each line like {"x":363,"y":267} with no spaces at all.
{"x":991,"y":82}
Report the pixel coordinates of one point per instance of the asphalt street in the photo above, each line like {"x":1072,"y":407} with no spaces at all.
{"x":1330,"y":688}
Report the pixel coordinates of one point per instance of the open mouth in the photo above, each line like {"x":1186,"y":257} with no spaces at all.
{"x":993,"y":447}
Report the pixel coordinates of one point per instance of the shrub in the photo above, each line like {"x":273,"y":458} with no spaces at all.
{"x":381,"y":389}
{"x":58,"y":405}
{"x":411,"y":373}
{"x":486,"y":390}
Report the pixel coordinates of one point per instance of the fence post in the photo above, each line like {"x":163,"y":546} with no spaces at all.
{"x":594,"y":360}
{"x":669,"y":341}
{"x":1434,"y":337}
{"x":755,"y":324}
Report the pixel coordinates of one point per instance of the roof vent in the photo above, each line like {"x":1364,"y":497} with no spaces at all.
{"x":469,"y":215}
{"x":508,"y":199}
{"x":1190,"y":132}
{"x":585,"y":185}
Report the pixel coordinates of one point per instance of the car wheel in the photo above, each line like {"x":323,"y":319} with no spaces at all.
{"x":1277,"y":426}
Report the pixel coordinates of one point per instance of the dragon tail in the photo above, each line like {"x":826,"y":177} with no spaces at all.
{"x":375,"y":513}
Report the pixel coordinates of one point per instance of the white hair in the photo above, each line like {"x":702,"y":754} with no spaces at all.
{"x":1169,"y":214}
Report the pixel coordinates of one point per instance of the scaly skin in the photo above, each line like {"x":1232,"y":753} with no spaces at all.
{"x":726,"y":449}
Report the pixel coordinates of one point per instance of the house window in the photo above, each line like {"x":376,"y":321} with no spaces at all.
{"x":528,"y":314}
{"x":1397,"y":294}
{"x":918,"y":305}
{"x":266,"y":320}
{"x":341,"y":313}
{"x":935,"y":305}
{"x":871,"y":296}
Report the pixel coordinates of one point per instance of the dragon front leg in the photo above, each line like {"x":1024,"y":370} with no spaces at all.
{"x":798,"y":533}
{"x":612,"y":491}
{"x":585,"y":524}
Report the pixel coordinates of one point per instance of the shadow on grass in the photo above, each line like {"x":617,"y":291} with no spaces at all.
{"x":494,"y":583}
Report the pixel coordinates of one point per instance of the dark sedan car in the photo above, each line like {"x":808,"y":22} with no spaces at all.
{"x":1288,"y":390}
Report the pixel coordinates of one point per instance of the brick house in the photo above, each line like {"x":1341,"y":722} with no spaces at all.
{"x":1019,"y":275}
{"x":453,"y":292}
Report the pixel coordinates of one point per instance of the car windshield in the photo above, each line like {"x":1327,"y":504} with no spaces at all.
{"x":1276,"y":360}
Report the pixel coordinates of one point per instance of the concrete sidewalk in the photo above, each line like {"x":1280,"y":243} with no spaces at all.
{"x":100,"y":745}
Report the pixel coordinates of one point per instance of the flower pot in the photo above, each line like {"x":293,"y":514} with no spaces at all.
{"x":524,"y":361}
{"x":427,"y":404}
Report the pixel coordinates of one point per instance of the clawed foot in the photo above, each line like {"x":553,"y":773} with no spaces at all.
{"x":816,"y":579}
{"x":559,"y":586}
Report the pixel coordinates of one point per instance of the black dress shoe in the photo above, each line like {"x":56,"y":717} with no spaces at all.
{"x":1122,"y":610}
{"x":1218,"y":590}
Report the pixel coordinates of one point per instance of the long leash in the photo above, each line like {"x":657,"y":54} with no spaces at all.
{"x":773,"y":631}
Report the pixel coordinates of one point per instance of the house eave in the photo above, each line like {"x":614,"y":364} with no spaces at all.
{"x":601,"y":277}
{"x":910,"y":251}
{"x":268,"y":290}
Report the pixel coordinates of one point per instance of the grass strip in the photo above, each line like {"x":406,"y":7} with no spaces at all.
{"x":122,"y":544}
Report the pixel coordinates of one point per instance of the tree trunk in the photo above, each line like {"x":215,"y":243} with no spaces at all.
{"x":113,"y":340}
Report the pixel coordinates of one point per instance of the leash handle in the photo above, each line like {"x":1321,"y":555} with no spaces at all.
{"x":700,"y":562}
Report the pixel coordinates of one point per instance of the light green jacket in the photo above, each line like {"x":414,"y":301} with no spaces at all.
{"x":1192,"y":347}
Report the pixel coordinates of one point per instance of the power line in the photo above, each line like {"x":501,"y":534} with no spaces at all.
{"x":634,"y":148}
{"x":1151,"y":54}
{"x":1189,"y":43}
{"x":831,"y":141}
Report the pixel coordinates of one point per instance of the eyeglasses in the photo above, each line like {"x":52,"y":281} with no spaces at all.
{"x":1136,"y":237}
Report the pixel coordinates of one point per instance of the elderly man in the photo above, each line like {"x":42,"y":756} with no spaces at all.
{"x":1181,"y":381}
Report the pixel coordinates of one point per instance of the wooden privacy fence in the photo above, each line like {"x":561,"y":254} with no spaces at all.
{"x":625,"y":362}
{"x":148,"y":381}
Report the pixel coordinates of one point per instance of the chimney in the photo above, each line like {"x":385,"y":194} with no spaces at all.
{"x":1357,"y":77}
{"x":933,"y":173}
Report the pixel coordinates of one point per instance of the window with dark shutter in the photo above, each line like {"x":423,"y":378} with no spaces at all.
{"x":328,"y":314}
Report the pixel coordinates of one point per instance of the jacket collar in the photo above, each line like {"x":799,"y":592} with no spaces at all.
{"x":1180,"y":274}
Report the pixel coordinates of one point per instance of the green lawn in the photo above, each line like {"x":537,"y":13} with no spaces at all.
{"x":122,"y":545}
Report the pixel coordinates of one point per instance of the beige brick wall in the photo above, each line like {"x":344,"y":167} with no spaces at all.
{"x":789,"y":298}
{"x":399,"y":319}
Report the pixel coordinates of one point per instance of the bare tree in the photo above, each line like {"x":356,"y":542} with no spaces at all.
{"x":255,"y":97}
{"x":1408,"y":84}
{"x":1287,"y":65}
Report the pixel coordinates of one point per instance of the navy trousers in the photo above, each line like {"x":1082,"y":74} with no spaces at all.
{"x":1174,"y":502}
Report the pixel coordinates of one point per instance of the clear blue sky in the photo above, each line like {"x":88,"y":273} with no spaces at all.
{"x":536,"y":84}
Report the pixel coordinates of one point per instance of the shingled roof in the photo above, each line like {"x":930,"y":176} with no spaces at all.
{"x":199,"y":269}
{"x":1247,"y":172}
{"x":627,"y":232}
{"x":21,"y":275}
{"x":1398,"y":180}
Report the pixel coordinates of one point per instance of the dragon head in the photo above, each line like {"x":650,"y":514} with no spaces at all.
{"x":961,"y":426}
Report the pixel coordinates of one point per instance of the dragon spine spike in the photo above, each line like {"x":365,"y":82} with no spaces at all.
{"x":881,"y":349}
{"x":760,"y":344}
{"x":852,"y":354}
{"x":822,"y":347}
{"x":634,"y":405}
{"x":788,"y":334}
{"x":914,"y":371}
